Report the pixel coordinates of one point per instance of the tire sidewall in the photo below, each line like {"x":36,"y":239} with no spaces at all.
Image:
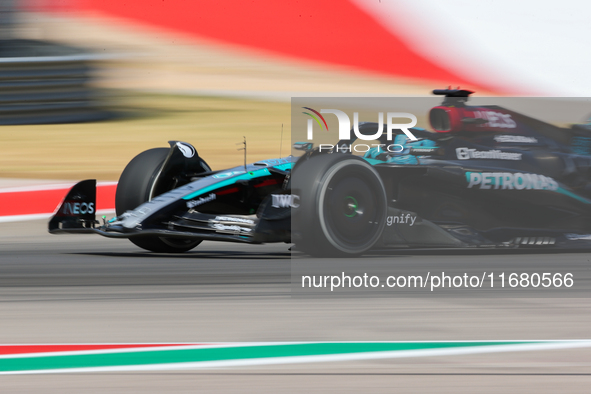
{"x":135,"y":187}
{"x":313,"y":232}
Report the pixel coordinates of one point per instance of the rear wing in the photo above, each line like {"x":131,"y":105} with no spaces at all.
{"x":77,"y":210}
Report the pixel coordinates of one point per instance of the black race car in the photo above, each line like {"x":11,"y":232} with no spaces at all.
{"x":484,"y":176}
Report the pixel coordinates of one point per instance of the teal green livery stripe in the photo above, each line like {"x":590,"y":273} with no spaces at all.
{"x":284,"y":167}
{"x":373,"y":161}
{"x":573,"y":195}
{"x":225,"y":353}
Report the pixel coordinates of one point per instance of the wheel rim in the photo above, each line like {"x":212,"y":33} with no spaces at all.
{"x":353,"y":209}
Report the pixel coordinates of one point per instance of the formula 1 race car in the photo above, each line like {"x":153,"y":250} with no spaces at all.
{"x":484,"y":176}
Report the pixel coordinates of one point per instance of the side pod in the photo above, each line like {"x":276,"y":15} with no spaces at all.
{"x":77,"y":210}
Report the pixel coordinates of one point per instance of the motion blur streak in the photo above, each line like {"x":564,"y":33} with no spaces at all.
{"x":328,"y":31}
{"x":524,"y":47}
{"x":87,"y":289}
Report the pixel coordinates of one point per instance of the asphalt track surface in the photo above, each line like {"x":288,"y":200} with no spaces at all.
{"x":88,"y":289}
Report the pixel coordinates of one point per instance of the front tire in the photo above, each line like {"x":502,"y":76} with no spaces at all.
{"x":136,"y":186}
{"x":343,"y":206}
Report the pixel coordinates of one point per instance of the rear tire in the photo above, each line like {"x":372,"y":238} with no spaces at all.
{"x":342,"y":206}
{"x":135,"y":188}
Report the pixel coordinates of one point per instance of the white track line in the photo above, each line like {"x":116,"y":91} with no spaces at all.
{"x":180,"y":346}
{"x":54,"y":186}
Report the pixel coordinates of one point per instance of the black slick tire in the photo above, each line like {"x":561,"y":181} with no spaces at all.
{"x":135,"y":187}
{"x":342,"y":206}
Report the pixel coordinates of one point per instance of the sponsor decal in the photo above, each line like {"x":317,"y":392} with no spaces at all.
{"x":227,"y":174}
{"x":533,"y":241}
{"x":468,"y":153}
{"x":144,"y":210}
{"x":201,"y":200}
{"x":578,"y":237}
{"x":285,"y":200}
{"x":78,"y":208}
{"x":275,"y":162}
{"x":508,"y":180}
{"x":496,"y":119}
{"x":516,"y":138}
{"x":426,"y":151}
{"x":345,"y":124}
{"x":186,"y":149}
{"x":232,"y":229}
{"x":402,"y":219}
{"x":233,"y":219}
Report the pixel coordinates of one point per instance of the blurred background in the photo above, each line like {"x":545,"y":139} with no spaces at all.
{"x":85,"y":85}
{"x":134,"y":74}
